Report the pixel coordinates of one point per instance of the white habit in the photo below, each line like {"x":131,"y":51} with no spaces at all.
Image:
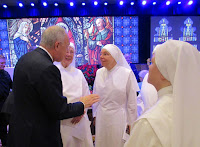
{"x":74,"y":87}
{"x":148,"y":96}
{"x":154,"y":127}
{"x":174,"y":120}
{"x":117,"y":106}
{"x":148,"y":93}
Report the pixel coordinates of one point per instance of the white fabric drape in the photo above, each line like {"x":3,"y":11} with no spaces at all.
{"x":121,"y":61}
{"x":74,"y":87}
{"x":174,"y":120}
{"x":148,"y":93}
{"x":154,"y":127}
{"x":117,"y":106}
{"x":179,"y":62}
{"x":74,"y":59}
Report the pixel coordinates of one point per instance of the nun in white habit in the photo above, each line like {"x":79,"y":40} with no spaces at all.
{"x":116,"y":85}
{"x":75,"y":132}
{"x":148,"y":93}
{"x":174,"y":120}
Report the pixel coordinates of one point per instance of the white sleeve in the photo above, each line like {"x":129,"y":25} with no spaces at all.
{"x":131,"y":100}
{"x":140,"y":105}
{"x":95,"y":105}
{"x":148,"y":93}
{"x":85,"y":87}
{"x":142,"y":135}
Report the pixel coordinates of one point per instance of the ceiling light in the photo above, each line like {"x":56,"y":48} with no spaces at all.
{"x":5,"y":6}
{"x":71,"y":4}
{"x":45,"y":4}
{"x":168,"y":2}
{"x":95,"y":3}
{"x":144,"y":2}
{"x":20,"y":4}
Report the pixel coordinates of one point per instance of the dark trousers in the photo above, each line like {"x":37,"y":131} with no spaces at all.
{"x":3,"y":128}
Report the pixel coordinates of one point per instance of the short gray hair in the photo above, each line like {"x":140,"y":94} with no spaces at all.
{"x":51,"y":35}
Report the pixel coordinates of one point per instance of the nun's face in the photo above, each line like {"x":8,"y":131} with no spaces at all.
{"x":154,"y":76}
{"x":69,"y":57}
{"x":107,"y":60}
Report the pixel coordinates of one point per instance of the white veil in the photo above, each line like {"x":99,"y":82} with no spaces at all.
{"x":120,"y":59}
{"x":73,"y":61}
{"x":179,"y":63}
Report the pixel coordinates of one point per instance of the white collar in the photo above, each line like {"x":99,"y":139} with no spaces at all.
{"x":165,"y":90}
{"x":46,"y":52}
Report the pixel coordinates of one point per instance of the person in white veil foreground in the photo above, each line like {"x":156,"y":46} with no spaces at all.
{"x":148,"y":95}
{"x":116,"y":86}
{"x":75,"y":132}
{"x":174,"y":120}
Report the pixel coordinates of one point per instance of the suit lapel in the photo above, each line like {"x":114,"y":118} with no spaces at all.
{"x":43,"y":53}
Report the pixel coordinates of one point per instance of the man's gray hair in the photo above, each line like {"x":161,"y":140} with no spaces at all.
{"x":51,"y":35}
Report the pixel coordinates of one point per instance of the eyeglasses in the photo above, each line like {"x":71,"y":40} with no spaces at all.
{"x":149,"y":61}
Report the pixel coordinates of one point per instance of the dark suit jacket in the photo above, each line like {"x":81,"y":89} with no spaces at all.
{"x":39,"y":103}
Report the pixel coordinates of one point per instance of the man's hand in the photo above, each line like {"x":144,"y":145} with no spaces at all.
{"x":89,"y":100}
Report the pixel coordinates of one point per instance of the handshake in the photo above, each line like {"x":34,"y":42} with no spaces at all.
{"x":89,"y":100}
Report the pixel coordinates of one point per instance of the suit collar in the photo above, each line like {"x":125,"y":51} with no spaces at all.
{"x":47,"y":52}
{"x":43,"y":52}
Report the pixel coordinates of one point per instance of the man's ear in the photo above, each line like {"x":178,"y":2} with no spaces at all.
{"x":56,"y":45}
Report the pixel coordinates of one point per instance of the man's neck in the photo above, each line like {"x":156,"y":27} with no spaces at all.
{"x":48,"y":52}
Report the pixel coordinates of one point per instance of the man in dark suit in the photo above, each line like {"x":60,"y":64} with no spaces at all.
{"x":38,"y":100}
